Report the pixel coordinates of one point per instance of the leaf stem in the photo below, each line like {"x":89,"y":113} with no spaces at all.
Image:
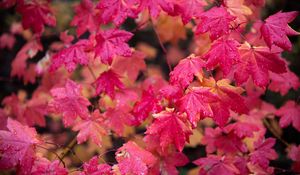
{"x":274,"y":132}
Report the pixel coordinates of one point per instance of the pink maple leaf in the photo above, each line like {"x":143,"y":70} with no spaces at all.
{"x":117,"y":11}
{"x":183,"y":74}
{"x":172,"y":128}
{"x":223,"y":52}
{"x":276,"y":28}
{"x":212,"y":165}
{"x":29,"y":50}
{"x":216,"y":21}
{"x":92,"y":127}
{"x":196,"y":103}
{"x":93,"y":167}
{"x":18,"y":146}
{"x":289,"y":113}
{"x":133,"y":159}
{"x":148,"y":103}
{"x":263,"y":152}
{"x":111,"y":43}
{"x":107,"y":82}
{"x":284,"y":82}
{"x":86,"y":18}
{"x":155,"y":6}
{"x":69,"y":102}
{"x":44,"y":166}
{"x":71,"y":56}
{"x":35,"y":14}
{"x":190,"y":9}
{"x":216,"y":139}
{"x":257,"y":62}
{"x":130,"y":66}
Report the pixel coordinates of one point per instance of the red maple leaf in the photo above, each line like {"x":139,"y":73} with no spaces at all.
{"x":18,"y":146}
{"x":223,"y":52}
{"x":117,"y":11}
{"x":217,"y":139}
{"x":284,"y":82}
{"x":92,"y":127}
{"x":171,"y":128}
{"x":289,"y":113}
{"x":189,"y":9}
{"x":71,"y":56}
{"x":133,"y":159}
{"x":148,"y":103}
{"x":263,"y":152}
{"x":35,"y":14}
{"x":230,"y":98}
{"x":276,"y":28}
{"x":86,"y":18}
{"x":111,"y":43}
{"x":256,"y":62}
{"x":44,"y":166}
{"x":183,"y":74}
{"x":107,"y":82}
{"x":29,"y":50}
{"x":155,"y":6}
{"x":93,"y":167}
{"x":69,"y":102}
{"x":196,"y":103}
{"x":130,"y":66}
{"x":216,"y":21}
{"x":212,"y":165}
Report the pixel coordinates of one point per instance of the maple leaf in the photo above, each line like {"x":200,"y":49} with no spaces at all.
{"x":294,"y":153}
{"x":238,"y":9}
{"x":289,"y":113}
{"x":212,"y":165}
{"x":276,"y":28}
{"x":133,"y":159}
{"x":35,"y":112}
{"x":111,"y":43}
{"x":196,"y":103}
{"x":71,"y":56}
{"x":223,"y":52}
{"x":107,"y":82}
{"x":283,"y":82}
{"x":93,"y":167}
{"x":29,"y":50}
{"x":155,"y":6}
{"x":131,"y":66}
{"x":168,"y":163}
{"x":263,"y":152}
{"x":242,"y":129}
{"x":7,"y":40}
{"x":69,"y":102}
{"x":43,"y":166}
{"x":86,"y":18}
{"x":93,"y":127}
{"x":256,"y":62}
{"x":215,"y":21}
{"x":183,"y":74}
{"x":18,"y":146}
{"x":230,"y":98}
{"x":117,"y":11}
{"x":172,"y":128}
{"x":147,"y":104}
{"x":117,"y":119}
{"x":190,"y":9}
{"x":172,"y":93}
{"x":35,"y":14}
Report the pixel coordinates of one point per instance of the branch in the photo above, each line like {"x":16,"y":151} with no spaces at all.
{"x":274,"y":132}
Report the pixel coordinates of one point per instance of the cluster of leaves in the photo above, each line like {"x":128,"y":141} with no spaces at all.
{"x":92,"y":84}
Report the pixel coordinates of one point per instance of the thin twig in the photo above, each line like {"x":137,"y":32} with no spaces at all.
{"x":60,"y":158}
{"x":273,"y":131}
{"x":92,"y":72}
{"x":161,"y":45}
{"x":68,"y":148}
